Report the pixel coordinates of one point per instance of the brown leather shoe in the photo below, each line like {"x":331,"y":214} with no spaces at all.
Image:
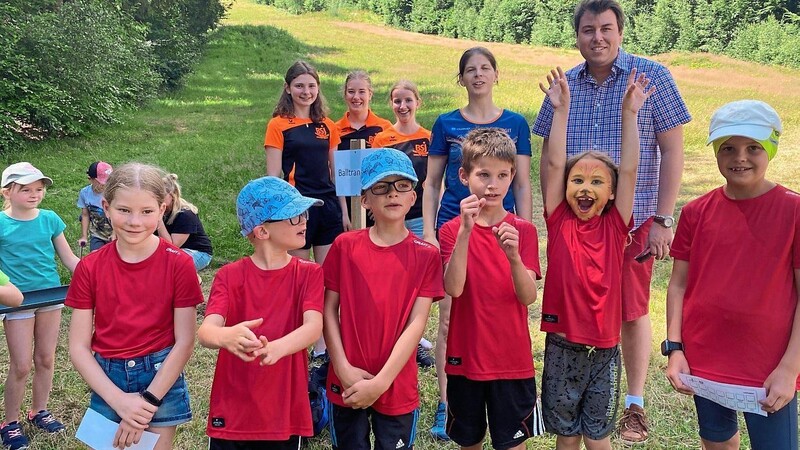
{"x":633,"y":425}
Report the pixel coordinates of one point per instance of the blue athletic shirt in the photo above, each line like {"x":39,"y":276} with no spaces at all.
{"x":448,"y":132}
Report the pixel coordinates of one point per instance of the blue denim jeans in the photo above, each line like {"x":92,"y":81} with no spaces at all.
{"x":135,"y":374}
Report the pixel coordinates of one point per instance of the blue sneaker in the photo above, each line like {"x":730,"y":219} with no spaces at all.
{"x":44,"y":420}
{"x":12,"y":435}
{"x":438,"y":430}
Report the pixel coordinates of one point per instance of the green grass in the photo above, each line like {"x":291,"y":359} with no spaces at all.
{"x":211,"y":134}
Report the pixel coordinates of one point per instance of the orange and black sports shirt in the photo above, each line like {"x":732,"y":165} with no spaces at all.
{"x":305,"y":146}
{"x":416,"y":147}
{"x":372,"y":126}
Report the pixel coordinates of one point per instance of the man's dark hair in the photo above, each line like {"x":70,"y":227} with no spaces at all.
{"x":597,"y":7}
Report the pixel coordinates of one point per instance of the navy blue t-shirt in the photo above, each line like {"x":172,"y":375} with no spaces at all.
{"x":448,"y":132}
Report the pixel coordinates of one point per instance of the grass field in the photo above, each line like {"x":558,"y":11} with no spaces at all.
{"x":211,"y":134}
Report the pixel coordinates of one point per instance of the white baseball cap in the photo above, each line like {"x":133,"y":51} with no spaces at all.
{"x":23,"y":173}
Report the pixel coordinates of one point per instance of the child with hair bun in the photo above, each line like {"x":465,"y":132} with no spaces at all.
{"x":140,"y":293}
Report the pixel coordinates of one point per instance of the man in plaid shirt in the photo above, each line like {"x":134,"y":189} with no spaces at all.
{"x":597,"y":87}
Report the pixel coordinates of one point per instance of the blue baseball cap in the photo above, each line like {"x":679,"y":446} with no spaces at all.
{"x":269,"y":198}
{"x":384,"y":162}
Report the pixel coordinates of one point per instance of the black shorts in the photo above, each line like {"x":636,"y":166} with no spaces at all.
{"x":324,"y":222}
{"x":510,"y":406}
{"x":292,"y":443}
{"x":580,"y":388}
{"x":350,"y":429}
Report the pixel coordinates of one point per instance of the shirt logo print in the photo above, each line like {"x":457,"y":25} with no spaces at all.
{"x":421,"y":149}
{"x":321,"y":132}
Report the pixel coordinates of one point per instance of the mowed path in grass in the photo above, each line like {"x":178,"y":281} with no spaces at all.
{"x":211,"y":134}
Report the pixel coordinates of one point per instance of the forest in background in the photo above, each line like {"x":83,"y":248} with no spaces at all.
{"x":753,"y":30}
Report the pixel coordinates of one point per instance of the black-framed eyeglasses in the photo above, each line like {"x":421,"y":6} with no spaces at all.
{"x":382,"y":187}
{"x":292,"y":220}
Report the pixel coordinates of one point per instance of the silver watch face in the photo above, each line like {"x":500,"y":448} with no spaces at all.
{"x":666,"y":221}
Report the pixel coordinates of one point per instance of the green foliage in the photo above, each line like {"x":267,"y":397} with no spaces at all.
{"x":552,"y":25}
{"x":652,"y":26}
{"x":69,"y":65}
{"x":429,"y":16}
{"x":67,"y":69}
{"x":769,"y":42}
{"x":463,"y":22}
{"x":176,"y":31}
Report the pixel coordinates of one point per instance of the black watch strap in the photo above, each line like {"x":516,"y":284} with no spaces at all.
{"x":150,"y":398}
{"x":668,"y":347}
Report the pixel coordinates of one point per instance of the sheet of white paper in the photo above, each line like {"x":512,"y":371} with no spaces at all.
{"x":98,"y":433}
{"x":739,"y":398}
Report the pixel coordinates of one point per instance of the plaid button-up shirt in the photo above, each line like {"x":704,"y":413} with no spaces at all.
{"x":595,"y":120}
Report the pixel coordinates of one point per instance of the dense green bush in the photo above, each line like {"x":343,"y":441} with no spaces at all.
{"x":67,"y":69}
{"x":769,"y":42}
{"x":429,"y":16}
{"x":552,"y":25}
{"x":66,"y":66}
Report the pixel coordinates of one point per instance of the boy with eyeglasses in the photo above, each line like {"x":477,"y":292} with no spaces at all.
{"x":264,"y":310}
{"x":379,"y":285}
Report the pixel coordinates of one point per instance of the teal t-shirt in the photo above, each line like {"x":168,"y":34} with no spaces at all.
{"x":27,"y":254}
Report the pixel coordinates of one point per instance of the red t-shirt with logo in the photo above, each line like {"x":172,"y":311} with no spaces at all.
{"x":378,"y":287}
{"x":134,"y":303}
{"x":583,"y":286}
{"x":741,"y":291}
{"x":305,"y":147}
{"x":250,"y":402}
{"x":489,"y":338}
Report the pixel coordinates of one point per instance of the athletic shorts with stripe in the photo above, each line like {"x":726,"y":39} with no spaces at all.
{"x":580,"y":388}
{"x":350,"y":429}
{"x":509,"y":407}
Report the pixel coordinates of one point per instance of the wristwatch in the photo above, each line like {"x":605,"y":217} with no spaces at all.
{"x":150,"y":398}
{"x":664,"y":221}
{"x":668,"y":347}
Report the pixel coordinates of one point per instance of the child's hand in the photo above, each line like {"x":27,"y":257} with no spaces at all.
{"x":637,"y":92}
{"x":470,"y":209}
{"x":508,"y":238}
{"x":134,"y":410}
{"x":780,"y":385}
{"x":126,"y":436}
{"x":363,"y":394}
{"x":240,"y":340}
{"x":270,"y":351}
{"x":558,"y":90}
{"x":677,"y":365}
{"x":136,"y":414}
{"x":82,"y":242}
{"x":352,"y":375}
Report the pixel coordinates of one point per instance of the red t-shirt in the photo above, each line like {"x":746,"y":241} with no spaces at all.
{"x":583,"y":286}
{"x":276,"y":396}
{"x":377,"y":288}
{"x":740,"y":299}
{"x":134,"y":303}
{"x":489,"y":337}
